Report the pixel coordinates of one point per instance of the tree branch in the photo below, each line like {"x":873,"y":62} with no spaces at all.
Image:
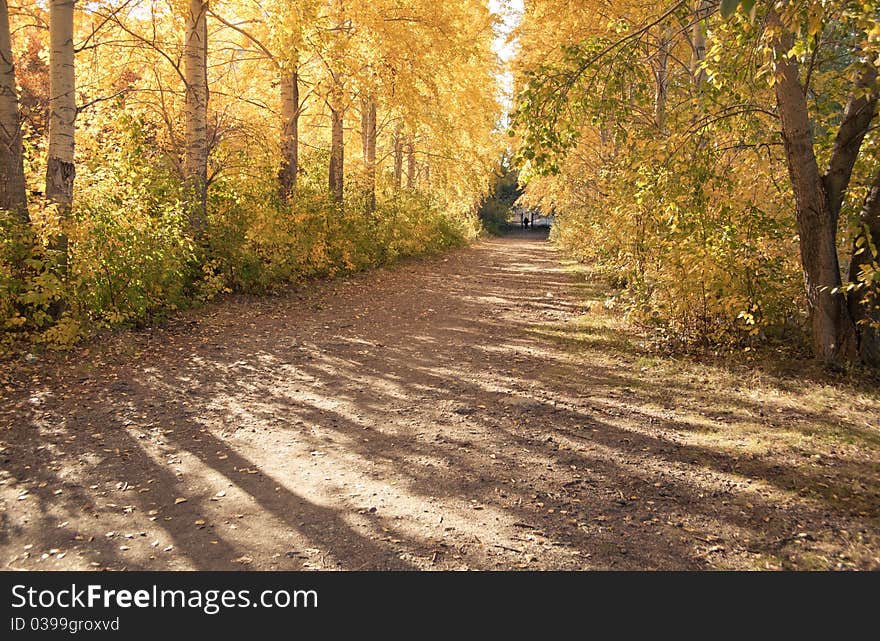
{"x":860,"y":111}
{"x":247,"y":35}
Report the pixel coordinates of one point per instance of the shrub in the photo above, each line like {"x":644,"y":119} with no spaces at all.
{"x":130,"y":256}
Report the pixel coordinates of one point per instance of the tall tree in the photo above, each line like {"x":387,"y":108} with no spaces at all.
{"x":398,"y":157}
{"x":410,"y":164}
{"x":368,"y":138}
{"x":290,"y":112}
{"x":864,"y":302}
{"x":661,"y":78}
{"x":698,"y":43}
{"x":337,"y":143}
{"x":818,"y":196}
{"x":13,"y":196}
{"x":807,"y":47}
{"x":276,"y":32}
{"x":196,"y":112}
{"x":60,"y":168}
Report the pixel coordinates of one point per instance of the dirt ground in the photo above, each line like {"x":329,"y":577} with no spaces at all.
{"x":478,"y":410}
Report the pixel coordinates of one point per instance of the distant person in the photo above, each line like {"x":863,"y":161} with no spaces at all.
{"x":522,"y":220}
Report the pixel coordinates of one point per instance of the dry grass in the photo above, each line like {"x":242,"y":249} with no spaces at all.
{"x":798,"y":435}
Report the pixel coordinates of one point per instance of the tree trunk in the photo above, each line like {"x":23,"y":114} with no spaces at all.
{"x":289,"y":134}
{"x":662,"y":80}
{"x":195,"y":165}
{"x":62,"y":106}
{"x":833,"y":329}
{"x":698,"y":38}
{"x":60,"y":169}
{"x":337,"y":146}
{"x":13,"y":197}
{"x":860,"y":111}
{"x":864,"y":302}
{"x":368,"y":137}
{"x":398,"y":159}
{"x":410,"y":165}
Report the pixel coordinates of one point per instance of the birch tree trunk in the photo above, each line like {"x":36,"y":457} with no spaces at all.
{"x":662,"y":79}
{"x":410,"y":164}
{"x":698,"y":40}
{"x":195,"y":165}
{"x":289,"y":134}
{"x":337,"y":145}
{"x":60,"y":170}
{"x":833,"y":331}
{"x":13,"y":197}
{"x":398,"y":158}
{"x":368,"y":137}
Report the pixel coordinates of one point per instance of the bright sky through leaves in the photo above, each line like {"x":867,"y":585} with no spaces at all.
{"x":509,"y":13}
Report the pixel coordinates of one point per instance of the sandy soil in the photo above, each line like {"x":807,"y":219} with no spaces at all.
{"x":446,"y":413}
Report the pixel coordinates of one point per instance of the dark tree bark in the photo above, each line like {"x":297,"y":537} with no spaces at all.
{"x":368,"y":137}
{"x":833,"y":331}
{"x":290,"y":111}
{"x":411,"y":168}
{"x":860,"y":111}
{"x":398,"y":159}
{"x":864,"y":302}
{"x":337,"y":146}
{"x":661,"y":77}
{"x":13,"y":196}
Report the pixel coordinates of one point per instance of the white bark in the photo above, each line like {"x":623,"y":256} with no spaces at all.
{"x":196,"y":111}
{"x":701,"y":8}
{"x":60,"y":170}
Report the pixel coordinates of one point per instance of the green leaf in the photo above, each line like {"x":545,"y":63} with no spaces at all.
{"x":728,"y":7}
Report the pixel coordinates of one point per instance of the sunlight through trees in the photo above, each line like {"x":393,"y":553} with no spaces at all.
{"x":174,"y":150}
{"x":719,"y":159}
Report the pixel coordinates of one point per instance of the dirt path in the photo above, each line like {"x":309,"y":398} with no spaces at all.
{"x":447,"y":413}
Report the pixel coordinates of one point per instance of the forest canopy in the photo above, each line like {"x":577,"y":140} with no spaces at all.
{"x":156,"y":153}
{"x":717,"y":158}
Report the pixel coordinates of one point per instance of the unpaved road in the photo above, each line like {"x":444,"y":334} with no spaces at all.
{"x":408,"y":418}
